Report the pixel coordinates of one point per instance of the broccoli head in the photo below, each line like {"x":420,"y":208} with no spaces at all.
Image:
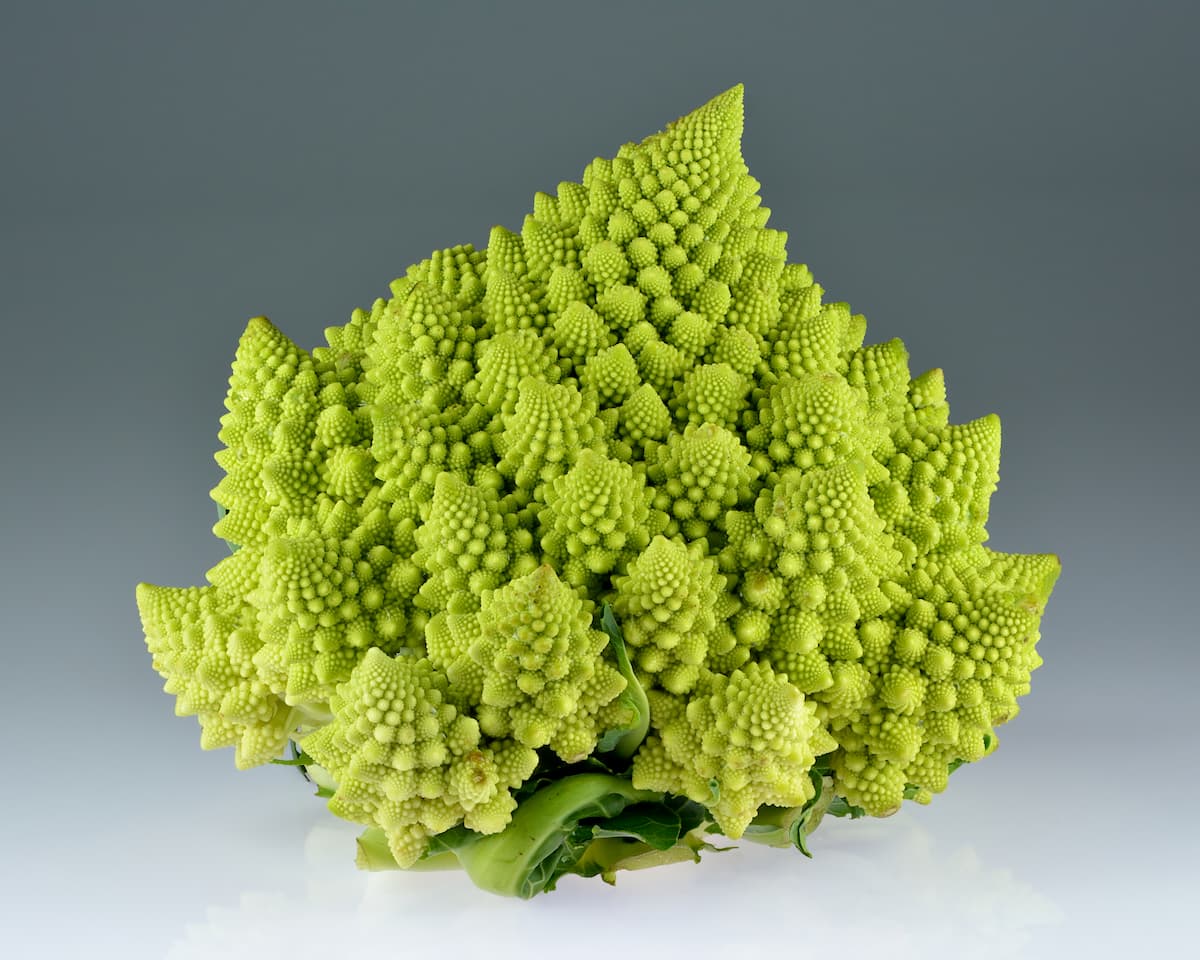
{"x":578,"y":548}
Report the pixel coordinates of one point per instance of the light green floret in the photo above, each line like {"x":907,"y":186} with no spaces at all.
{"x":549,"y":426}
{"x":690,"y":333}
{"x":638,"y":336}
{"x":623,"y":306}
{"x":503,"y":362}
{"x":346,"y":468}
{"x":739,"y":743}
{"x":545,"y":680}
{"x":341,"y":358}
{"x":550,"y":234}
{"x":712,"y":298}
{"x":505,"y":254}
{"x":666,"y":605}
{"x":612,"y":374}
{"x":944,"y":480}
{"x":644,"y":417}
{"x":422,"y":349}
{"x":739,"y":349}
{"x":456,"y":272}
{"x":947,"y":663}
{"x":329,"y":588}
{"x":811,"y":337}
{"x":413,"y":446}
{"x":605,"y":265}
{"x":512,"y":303}
{"x":827,"y":553}
{"x":407,"y":760}
{"x":597,"y":518}
{"x":813,"y":420}
{"x":580,"y":333}
{"x":755,"y":308}
{"x":567,"y":284}
{"x":271,"y":470}
{"x":203,"y":643}
{"x":513,"y":300}
{"x":699,"y":475}
{"x":467,"y":545}
{"x":823,"y":525}
{"x":880,"y":370}
{"x":661,"y":364}
{"x":710,"y":393}
{"x":448,"y":641}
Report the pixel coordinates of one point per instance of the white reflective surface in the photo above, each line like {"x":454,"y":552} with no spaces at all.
{"x":745,"y":901}
{"x":246,"y":865}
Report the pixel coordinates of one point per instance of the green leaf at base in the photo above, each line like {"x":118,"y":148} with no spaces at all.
{"x":841,"y":807}
{"x":589,"y":824}
{"x":545,"y":840}
{"x":657,"y":825}
{"x":624,"y":741}
{"x":791,"y":826}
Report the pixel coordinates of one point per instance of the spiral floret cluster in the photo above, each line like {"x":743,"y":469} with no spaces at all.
{"x":622,"y":477}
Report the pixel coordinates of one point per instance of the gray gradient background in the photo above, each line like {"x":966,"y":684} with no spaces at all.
{"x":1011,"y":188}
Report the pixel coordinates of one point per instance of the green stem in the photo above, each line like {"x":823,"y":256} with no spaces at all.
{"x":508,"y":862}
{"x":633,"y":695}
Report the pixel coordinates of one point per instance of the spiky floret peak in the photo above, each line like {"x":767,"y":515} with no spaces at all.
{"x":880,"y":372}
{"x":203,"y":643}
{"x":658,"y":214}
{"x":811,"y":337}
{"x":667,"y":605}
{"x":267,"y":432}
{"x":612,"y":373}
{"x":737,"y":349}
{"x":340,"y":359}
{"x":699,"y":475}
{"x":503,"y":362}
{"x":407,"y":760}
{"x":814,"y":420}
{"x":513,"y":300}
{"x":823,"y":540}
{"x":946,"y":665}
{"x":737,"y":743}
{"x":413,"y":446}
{"x":580,"y":333}
{"x":545,"y":681}
{"x":940,"y":482}
{"x":448,"y":640}
{"x":455,"y":272}
{"x":297,"y":446}
{"x":330,"y":588}
{"x":467,"y":546}
{"x":822,"y":523}
{"x":710,"y":393}
{"x":597,"y":518}
{"x":422,"y":349}
{"x":549,"y":425}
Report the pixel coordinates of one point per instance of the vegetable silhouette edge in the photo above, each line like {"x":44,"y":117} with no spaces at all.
{"x":583,"y":550}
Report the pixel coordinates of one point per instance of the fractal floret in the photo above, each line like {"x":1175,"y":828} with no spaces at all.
{"x":580,"y":549}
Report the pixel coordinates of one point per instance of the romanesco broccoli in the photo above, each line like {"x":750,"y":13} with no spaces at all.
{"x":614,"y":535}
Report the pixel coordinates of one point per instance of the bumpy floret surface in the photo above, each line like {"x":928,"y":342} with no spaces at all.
{"x":636,"y":400}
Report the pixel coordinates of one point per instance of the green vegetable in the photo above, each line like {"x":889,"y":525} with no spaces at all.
{"x":583,"y":548}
